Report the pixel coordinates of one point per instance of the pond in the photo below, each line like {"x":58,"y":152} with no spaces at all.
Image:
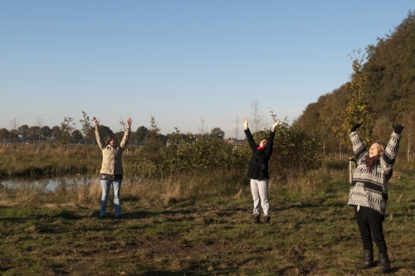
{"x":49,"y":185}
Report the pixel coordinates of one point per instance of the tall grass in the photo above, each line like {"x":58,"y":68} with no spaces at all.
{"x":52,"y":159}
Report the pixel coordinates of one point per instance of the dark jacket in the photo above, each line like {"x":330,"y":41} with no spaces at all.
{"x":258,"y":165}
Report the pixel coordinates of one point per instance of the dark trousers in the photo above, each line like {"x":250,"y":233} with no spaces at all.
{"x":370,"y":225}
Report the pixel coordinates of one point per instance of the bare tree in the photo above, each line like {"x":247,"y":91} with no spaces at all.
{"x":122,"y":123}
{"x":14,"y":126}
{"x":236,"y":129}
{"x":39,"y":123}
{"x":202,"y":129}
{"x":257,"y":118}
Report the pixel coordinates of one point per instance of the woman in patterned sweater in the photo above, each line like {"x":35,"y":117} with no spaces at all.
{"x":369,"y":192}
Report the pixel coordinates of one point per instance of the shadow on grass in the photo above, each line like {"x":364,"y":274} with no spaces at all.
{"x":165,"y":273}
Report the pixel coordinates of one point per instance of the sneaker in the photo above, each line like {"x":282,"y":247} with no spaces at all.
{"x":266,"y":219}
{"x":256,"y":219}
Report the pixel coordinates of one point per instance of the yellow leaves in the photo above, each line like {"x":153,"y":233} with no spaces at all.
{"x":357,"y":106}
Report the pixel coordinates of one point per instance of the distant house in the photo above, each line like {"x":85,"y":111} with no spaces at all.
{"x":234,"y":142}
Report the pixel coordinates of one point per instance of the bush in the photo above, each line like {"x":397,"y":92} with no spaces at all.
{"x":319,"y":180}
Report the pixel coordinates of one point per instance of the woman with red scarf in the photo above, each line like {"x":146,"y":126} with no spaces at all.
{"x":258,"y":171}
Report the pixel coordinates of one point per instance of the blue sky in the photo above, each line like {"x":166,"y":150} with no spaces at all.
{"x":193,"y":65}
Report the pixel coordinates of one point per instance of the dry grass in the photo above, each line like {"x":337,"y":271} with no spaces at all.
{"x":195,"y":225}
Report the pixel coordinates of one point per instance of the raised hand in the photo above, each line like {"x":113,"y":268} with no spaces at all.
{"x":275,"y":124}
{"x":245,"y":121}
{"x":129,"y":122}
{"x":397,"y":128}
{"x":96,"y":122}
{"x":356,"y":126}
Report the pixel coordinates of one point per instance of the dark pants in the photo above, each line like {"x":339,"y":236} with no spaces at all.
{"x":370,"y":225}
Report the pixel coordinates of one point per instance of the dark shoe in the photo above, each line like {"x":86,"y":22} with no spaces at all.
{"x":256,"y":219}
{"x":101,"y":217}
{"x":118,"y":217}
{"x":384,"y":263}
{"x":368,"y":262}
{"x":266,"y":219}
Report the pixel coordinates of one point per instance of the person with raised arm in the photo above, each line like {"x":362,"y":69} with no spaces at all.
{"x":111,"y":172}
{"x":258,"y":171}
{"x":369,"y":192}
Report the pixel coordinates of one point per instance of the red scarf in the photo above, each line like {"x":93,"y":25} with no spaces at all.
{"x":260,"y":148}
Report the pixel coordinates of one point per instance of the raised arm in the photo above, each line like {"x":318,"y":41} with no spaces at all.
{"x":98,"y":137}
{"x":127,"y":132}
{"x":270,"y":144}
{"x":248,"y":134}
{"x":391,"y":150}
{"x":359,"y":148}
{"x":275,"y":124}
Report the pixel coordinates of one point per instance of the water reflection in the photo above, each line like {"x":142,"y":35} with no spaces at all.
{"x":51,"y":184}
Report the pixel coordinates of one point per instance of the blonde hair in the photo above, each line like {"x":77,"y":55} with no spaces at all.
{"x":381,"y":145}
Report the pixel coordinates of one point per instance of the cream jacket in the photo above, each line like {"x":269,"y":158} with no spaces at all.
{"x":112,"y":156}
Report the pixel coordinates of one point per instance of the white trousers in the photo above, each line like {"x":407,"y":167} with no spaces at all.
{"x":259,"y":190}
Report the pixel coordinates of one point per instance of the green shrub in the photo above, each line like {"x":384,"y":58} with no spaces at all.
{"x":319,"y":180}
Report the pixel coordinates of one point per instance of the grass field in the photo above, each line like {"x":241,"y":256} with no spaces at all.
{"x":196,"y":226}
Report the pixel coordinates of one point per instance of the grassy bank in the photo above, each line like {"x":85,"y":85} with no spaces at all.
{"x":52,"y":160}
{"x":199,"y":226}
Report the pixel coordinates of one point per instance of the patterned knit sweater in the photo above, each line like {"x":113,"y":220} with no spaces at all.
{"x":371,"y":189}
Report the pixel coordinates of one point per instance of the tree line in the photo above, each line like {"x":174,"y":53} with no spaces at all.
{"x":67,"y":133}
{"x":381,"y":92}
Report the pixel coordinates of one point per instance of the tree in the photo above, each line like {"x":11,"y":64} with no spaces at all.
{"x":105,"y":131}
{"x":55,"y":132}
{"x":382,"y":128}
{"x":14,"y":126}
{"x":87,"y":128}
{"x":46,"y":132}
{"x":357,"y":110}
{"x":76,"y":136}
{"x":4,"y":134}
{"x":236,"y":129}
{"x":409,"y":123}
{"x":123,"y":125}
{"x":390,"y":71}
{"x":34,"y":133}
{"x":202,"y":128}
{"x":119,"y":135}
{"x":23,"y":131}
{"x":140,"y":134}
{"x":67,"y":127}
{"x":217,"y":133}
{"x":152,"y":133}
{"x":39,"y":123}
{"x":257,"y":117}
{"x":153,"y":142}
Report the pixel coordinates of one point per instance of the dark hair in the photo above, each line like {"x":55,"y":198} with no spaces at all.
{"x":111,"y":138}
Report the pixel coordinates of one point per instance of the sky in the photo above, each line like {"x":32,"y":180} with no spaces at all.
{"x":194,"y":65}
